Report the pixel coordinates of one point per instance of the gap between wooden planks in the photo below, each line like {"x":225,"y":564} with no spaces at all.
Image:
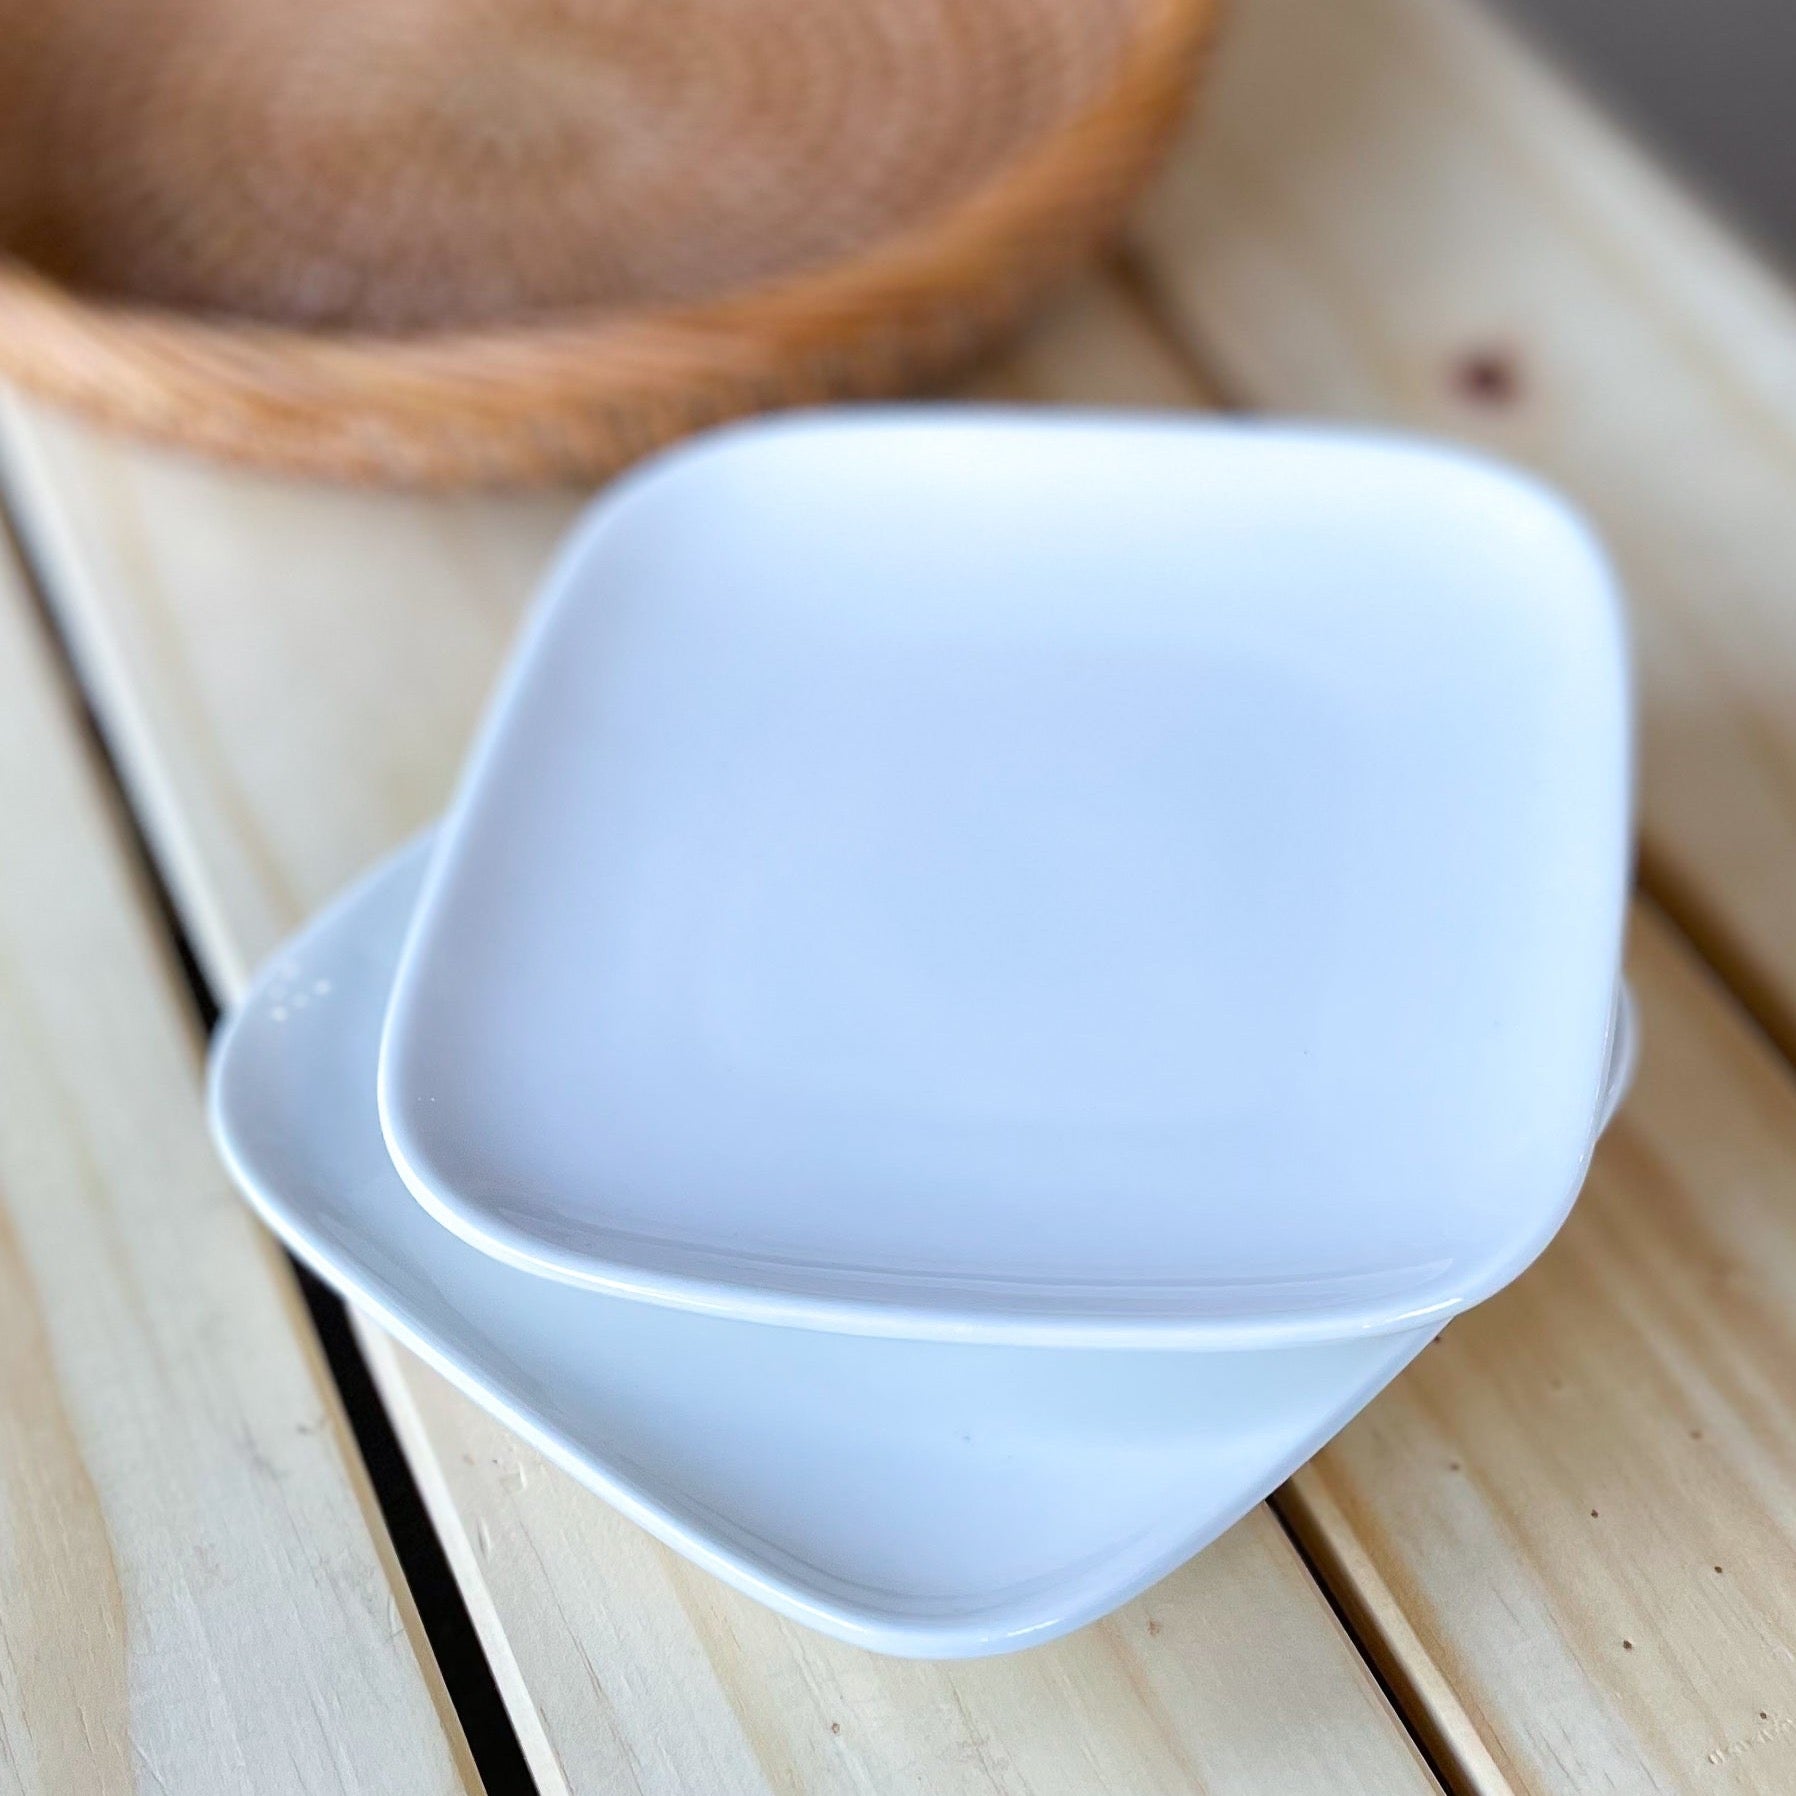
{"x":196,"y":1590}
{"x":1389,"y":210}
{"x":290,"y":677}
{"x":1383,"y":212}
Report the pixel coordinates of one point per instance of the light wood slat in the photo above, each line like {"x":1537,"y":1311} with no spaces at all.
{"x":1533,"y":1516}
{"x":196,"y":1592}
{"x":291,"y":676}
{"x":1389,"y":210}
{"x":1567,"y":1531}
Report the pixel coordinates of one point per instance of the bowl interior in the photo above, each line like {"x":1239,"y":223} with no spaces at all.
{"x":408,"y":165}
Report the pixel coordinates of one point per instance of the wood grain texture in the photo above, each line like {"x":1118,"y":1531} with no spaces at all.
{"x":1388,"y":211}
{"x":291,"y":676}
{"x":196,"y":1594}
{"x":1577,"y":1504}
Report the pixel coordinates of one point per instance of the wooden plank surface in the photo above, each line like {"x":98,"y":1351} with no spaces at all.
{"x":1572,"y":1518}
{"x":196,"y":1592}
{"x":1389,"y":211}
{"x":291,"y":676}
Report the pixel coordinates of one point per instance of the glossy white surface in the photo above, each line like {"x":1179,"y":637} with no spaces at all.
{"x":1054,"y":879}
{"x":914,"y":1497}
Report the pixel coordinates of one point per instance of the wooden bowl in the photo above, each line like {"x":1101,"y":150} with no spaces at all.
{"x":456,"y":242}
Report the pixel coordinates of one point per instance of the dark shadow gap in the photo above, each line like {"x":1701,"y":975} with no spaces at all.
{"x":467,"y":1676}
{"x":1405,"y":1704}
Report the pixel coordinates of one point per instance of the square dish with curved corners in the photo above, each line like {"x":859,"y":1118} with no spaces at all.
{"x":916,"y":1497}
{"x":1058,"y":879}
